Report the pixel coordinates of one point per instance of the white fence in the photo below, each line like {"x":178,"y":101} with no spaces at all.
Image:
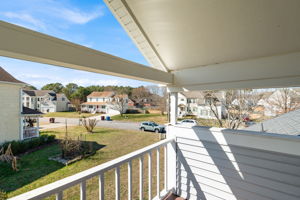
{"x":58,"y":187}
{"x":29,"y":132}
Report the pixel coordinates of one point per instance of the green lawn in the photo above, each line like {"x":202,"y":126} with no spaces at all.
{"x":158,"y":118}
{"x":69,"y":114}
{"x":36,"y":170}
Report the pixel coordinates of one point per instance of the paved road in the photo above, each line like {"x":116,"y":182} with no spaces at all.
{"x":60,"y":122}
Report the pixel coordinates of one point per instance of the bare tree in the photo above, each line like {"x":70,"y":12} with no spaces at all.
{"x":284,"y":100}
{"x":76,"y":103}
{"x":120,"y":103}
{"x":89,"y":124}
{"x":159,"y":97}
{"x":238,"y":104}
{"x":139,"y":94}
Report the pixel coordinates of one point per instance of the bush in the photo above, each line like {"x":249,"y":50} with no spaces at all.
{"x":3,"y":195}
{"x":22,"y":146}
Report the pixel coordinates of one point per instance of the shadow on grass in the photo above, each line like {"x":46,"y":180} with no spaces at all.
{"x":32,"y":167}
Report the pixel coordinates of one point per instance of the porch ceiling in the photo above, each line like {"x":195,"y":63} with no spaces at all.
{"x":176,"y":35}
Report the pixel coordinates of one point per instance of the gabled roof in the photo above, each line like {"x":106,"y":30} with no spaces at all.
{"x":29,"y":111}
{"x":102,"y":94}
{"x":193,"y":94}
{"x":288,"y":123}
{"x":39,"y":93}
{"x":6,"y":77}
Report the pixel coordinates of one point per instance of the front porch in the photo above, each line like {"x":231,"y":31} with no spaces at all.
{"x":30,"y":123}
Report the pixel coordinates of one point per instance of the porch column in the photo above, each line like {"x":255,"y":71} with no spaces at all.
{"x":38,"y":125}
{"x":173,"y":107}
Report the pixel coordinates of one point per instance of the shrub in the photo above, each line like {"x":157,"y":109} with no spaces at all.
{"x":89,"y":124}
{"x":22,"y":146}
{"x":3,"y":195}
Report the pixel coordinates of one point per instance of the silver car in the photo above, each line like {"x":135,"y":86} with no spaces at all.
{"x":152,"y":126}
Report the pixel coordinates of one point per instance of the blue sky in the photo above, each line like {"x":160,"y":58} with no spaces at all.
{"x":88,"y":23}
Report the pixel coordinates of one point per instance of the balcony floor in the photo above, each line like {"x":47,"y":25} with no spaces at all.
{"x":173,"y":197}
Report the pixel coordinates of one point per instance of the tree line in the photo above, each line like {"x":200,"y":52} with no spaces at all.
{"x":74,"y":91}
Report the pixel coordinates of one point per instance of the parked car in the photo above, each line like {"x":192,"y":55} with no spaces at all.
{"x":152,"y":126}
{"x":188,"y":122}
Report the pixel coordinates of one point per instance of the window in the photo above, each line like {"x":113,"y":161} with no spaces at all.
{"x":90,"y":99}
{"x":97,"y":99}
{"x":63,"y":99}
{"x":90,"y":106}
{"x":146,"y":124}
{"x":181,"y":99}
{"x":194,"y":109}
{"x":103,"y":107}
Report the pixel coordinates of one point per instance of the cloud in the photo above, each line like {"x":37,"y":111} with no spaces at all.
{"x":27,"y":18}
{"x":76,"y":16}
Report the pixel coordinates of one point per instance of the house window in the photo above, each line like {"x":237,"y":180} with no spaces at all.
{"x":63,"y":99}
{"x":90,"y":106}
{"x":181,"y":99}
{"x":90,"y":99}
{"x":27,"y":98}
{"x":194,"y":109}
{"x":103,"y":107}
{"x":97,"y":99}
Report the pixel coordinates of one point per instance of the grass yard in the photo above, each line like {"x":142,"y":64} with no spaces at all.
{"x":158,"y":118}
{"x":69,"y":114}
{"x":36,"y":170}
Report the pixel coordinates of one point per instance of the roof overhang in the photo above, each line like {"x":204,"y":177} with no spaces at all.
{"x":25,"y":44}
{"x":211,"y":44}
{"x":196,"y":44}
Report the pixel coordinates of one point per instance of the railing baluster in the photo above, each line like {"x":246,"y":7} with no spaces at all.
{"x":129,"y":180}
{"x":141,"y":177}
{"x":59,"y":195}
{"x":166,"y":167}
{"x":150,"y":175}
{"x":157,"y":171}
{"x":101,"y":186}
{"x":117,"y":177}
{"x":83,"y":190}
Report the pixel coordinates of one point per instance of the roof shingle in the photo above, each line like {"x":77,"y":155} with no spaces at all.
{"x":6,"y":77}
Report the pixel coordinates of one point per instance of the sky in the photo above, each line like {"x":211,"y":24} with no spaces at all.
{"x":88,"y":23}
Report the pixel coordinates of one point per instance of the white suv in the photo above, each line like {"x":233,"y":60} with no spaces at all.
{"x":188,"y":122}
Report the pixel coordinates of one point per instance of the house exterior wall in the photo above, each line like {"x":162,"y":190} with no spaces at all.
{"x":214,"y":163}
{"x":10,"y":120}
{"x":205,"y":112}
{"x":62,"y":103}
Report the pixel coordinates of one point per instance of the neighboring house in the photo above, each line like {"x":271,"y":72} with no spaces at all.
{"x":272,"y":102}
{"x":196,"y":103}
{"x":104,"y":102}
{"x":12,"y":113}
{"x":45,"y":101}
{"x":288,"y":123}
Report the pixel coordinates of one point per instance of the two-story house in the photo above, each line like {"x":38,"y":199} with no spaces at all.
{"x":45,"y":100}
{"x":16,"y":121}
{"x":279,"y":101}
{"x":104,"y":102}
{"x":196,"y":103}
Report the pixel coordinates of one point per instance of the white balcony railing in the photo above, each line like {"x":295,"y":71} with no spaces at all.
{"x":29,"y":132}
{"x":81,"y":178}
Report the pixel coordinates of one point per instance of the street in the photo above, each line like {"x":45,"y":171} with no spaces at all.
{"x":61,"y":122}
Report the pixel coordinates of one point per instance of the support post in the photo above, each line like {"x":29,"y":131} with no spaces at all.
{"x":173,"y":107}
{"x":38,"y":125}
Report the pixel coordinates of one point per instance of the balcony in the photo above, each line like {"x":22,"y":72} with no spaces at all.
{"x":200,"y":163}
